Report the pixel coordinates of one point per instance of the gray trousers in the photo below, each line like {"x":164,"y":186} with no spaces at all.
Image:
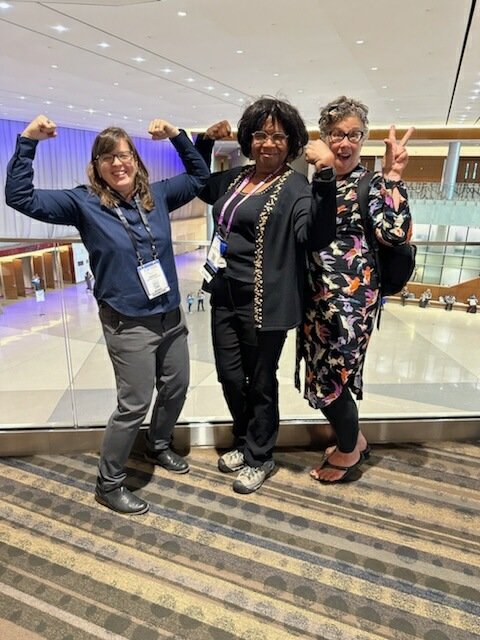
{"x":146,"y":352}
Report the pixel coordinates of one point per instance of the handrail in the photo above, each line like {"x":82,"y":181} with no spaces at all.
{"x":206,"y":243}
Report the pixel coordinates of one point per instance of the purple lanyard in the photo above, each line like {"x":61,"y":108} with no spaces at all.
{"x":235,"y":194}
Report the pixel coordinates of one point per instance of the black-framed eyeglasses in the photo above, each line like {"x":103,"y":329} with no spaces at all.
{"x":109,"y":158}
{"x":337,"y":135}
{"x":262,"y":136}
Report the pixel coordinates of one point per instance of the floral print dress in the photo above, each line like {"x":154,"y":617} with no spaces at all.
{"x":342,"y":291}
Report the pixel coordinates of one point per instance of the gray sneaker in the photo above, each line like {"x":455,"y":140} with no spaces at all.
{"x":231,"y":461}
{"x":251,"y":478}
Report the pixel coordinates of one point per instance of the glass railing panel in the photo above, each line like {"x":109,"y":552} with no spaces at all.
{"x":55,"y":370}
{"x":35,"y":366}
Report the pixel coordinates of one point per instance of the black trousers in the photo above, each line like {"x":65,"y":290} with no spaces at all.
{"x":247,"y":363}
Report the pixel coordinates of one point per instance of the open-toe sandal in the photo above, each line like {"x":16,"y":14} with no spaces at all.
{"x":351,"y":473}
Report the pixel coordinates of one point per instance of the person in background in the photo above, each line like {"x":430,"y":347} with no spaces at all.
{"x":200,"y":300}
{"x":341,"y":301}
{"x":190,"y":300}
{"x":405,"y":294}
{"x":89,"y":281}
{"x":124,"y":224}
{"x":425,"y":298}
{"x":36,"y":282}
{"x":472,"y":303}
{"x":265,"y":214}
{"x":449,"y":302}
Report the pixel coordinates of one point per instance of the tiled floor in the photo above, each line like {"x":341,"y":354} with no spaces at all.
{"x":422,"y":363}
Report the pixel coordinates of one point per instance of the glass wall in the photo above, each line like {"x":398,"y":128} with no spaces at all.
{"x":447,"y":263}
{"x":55,"y":371}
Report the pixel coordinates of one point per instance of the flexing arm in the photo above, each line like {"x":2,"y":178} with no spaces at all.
{"x":316,"y":217}
{"x":48,"y":205}
{"x":205,"y":142}
{"x":183,"y":188}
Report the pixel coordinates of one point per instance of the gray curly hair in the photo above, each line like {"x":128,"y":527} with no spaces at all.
{"x":339,"y":109}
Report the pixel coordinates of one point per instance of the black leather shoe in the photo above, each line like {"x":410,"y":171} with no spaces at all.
{"x":168,"y":459}
{"x":121,"y":500}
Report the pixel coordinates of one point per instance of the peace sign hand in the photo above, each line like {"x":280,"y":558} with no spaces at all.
{"x":396,"y":156}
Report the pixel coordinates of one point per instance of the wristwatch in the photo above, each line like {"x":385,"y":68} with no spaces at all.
{"x":326,"y":174}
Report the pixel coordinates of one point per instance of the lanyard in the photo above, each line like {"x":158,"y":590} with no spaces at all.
{"x":237,"y":191}
{"x":143,"y":217}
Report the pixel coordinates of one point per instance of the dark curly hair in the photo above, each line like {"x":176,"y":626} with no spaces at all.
{"x":339,"y":109}
{"x":106,"y":142}
{"x":255,"y":115}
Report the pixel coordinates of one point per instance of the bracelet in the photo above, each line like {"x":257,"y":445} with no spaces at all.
{"x":391,"y":184}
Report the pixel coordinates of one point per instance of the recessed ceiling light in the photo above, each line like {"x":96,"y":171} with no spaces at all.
{"x":139,"y":59}
{"x":239,"y":50}
{"x":50,"y":88}
{"x":5,"y":5}
{"x":182,"y":14}
{"x":47,"y":102}
{"x":167,"y":70}
{"x":210,"y":88}
{"x":90,"y":110}
{"x":60,"y":28}
{"x":125,"y":117}
{"x":226,"y":94}
{"x":190,"y":79}
{"x":70,"y":106}
{"x":468,"y":108}
{"x":373,"y":68}
{"x":300,"y":91}
{"x":359,"y":41}
{"x":384,"y":86}
{"x":115,"y":84}
{"x":54,"y":66}
{"x":22,"y":97}
{"x":276,"y":74}
{"x":104,"y":45}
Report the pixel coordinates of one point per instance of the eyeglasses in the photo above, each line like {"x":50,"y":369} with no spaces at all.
{"x":108,"y":158}
{"x":337,"y":135}
{"x":263,"y":136}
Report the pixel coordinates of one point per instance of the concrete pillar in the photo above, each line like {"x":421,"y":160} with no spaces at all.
{"x":450,"y":169}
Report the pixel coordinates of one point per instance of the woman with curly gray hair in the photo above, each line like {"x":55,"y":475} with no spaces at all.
{"x":343,"y":285}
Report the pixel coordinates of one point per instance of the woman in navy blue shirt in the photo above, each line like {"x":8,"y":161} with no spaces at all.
{"x":124,"y":224}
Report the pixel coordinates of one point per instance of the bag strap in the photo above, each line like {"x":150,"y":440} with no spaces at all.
{"x":363,"y":192}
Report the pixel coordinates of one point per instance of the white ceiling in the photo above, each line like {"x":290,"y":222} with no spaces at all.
{"x":303,"y":50}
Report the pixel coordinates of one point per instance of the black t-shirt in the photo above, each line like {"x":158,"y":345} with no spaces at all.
{"x":241,"y":239}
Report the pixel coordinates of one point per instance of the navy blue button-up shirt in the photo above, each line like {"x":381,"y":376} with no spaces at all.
{"x":112,"y":255}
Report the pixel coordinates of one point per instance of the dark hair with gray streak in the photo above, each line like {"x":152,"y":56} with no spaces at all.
{"x":339,"y":109}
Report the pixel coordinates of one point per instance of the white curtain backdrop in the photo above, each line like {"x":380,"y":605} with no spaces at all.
{"x":61,"y":163}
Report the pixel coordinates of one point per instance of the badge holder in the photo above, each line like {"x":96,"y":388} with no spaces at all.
{"x":215,"y":259}
{"x":153,"y":279}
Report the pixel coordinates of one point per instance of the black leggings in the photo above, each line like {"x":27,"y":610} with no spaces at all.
{"x":342,"y":414}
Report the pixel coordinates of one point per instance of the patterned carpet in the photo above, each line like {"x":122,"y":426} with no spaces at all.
{"x":395,"y":555}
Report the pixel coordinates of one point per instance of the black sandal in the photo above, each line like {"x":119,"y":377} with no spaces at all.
{"x":351,"y":474}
